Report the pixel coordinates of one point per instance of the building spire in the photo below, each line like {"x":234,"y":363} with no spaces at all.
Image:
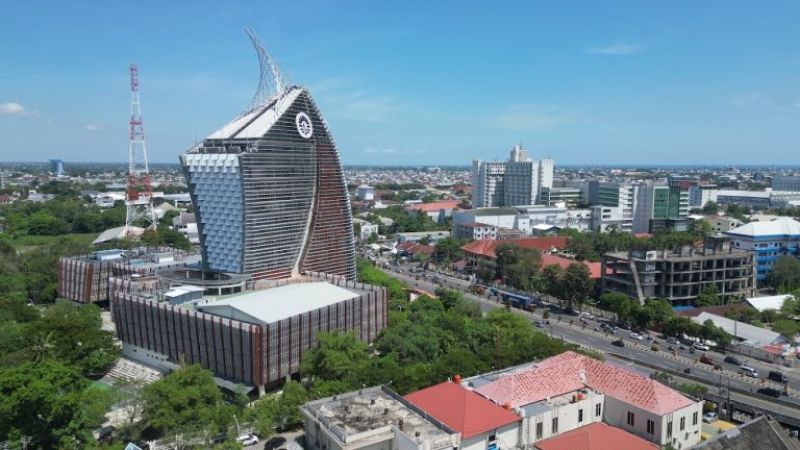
{"x":272,"y":82}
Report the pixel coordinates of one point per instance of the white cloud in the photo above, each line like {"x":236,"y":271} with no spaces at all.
{"x":533,"y":117}
{"x":13,"y":108}
{"x":393,"y":151}
{"x":750,"y":100}
{"x":93,"y":126}
{"x":618,"y":49}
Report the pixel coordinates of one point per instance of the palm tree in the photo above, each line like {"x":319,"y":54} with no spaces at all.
{"x":43,"y":347}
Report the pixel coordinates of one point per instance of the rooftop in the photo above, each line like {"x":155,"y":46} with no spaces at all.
{"x":760,"y":433}
{"x":487,"y":247}
{"x":770,"y":302}
{"x":570,"y":372}
{"x":275,"y":304}
{"x":435,"y":206}
{"x":255,"y":123}
{"x":597,"y":436}
{"x":752,"y":334}
{"x":365,"y":411}
{"x":595,"y":268}
{"x":461,"y":409}
{"x":782,"y":226}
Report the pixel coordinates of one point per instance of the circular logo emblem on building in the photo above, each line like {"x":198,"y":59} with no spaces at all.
{"x":304,"y":126}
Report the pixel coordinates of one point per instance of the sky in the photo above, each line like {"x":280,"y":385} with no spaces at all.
{"x":415,"y":82}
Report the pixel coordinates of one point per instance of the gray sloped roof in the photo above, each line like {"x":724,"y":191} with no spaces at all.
{"x":760,"y":433}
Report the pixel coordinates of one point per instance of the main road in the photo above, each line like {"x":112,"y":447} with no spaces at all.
{"x":637,"y":353}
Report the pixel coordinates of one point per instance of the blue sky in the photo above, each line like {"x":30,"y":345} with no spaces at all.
{"x":416,"y":82}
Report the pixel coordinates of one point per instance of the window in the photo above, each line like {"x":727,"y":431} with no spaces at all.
{"x":669,"y":430}
{"x":651,"y":427}
{"x":597,"y":410}
{"x":694,"y":418}
{"x":539,"y":432}
{"x":555,"y":425}
{"x":631,"y":418}
{"x":683,"y":423}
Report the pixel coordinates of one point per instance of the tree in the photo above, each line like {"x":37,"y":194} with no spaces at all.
{"x":785,"y":274}
{"x":50,"y":403}
{"x":786,"y":327}
{"x":128,"y":395}
{"x":184,"y":401}
{"x":710,"y":208}
{"x":551,"y":280}
{"x":660,"y":310}
{"x":700,"y":228}
{"x":577,"y":285}
{"x":521,"y":274}
{"x":709,"y":296}
{"x":337,"y":356}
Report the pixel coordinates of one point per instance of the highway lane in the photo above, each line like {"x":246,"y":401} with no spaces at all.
{"x":639,"y":352}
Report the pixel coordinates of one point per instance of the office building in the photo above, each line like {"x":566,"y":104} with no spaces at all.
{"x":269,"y":193}
{"x":84,"y":278}
{"x":786,"y":183}
{"x":680,"y":276}
{"x":518,"y":181}
{"x":768,"y":241}
{"x":57,"y":167}
{"x":569,"y":197}
{"x":570,"y":392}
{"x":662,"y":207}
{"x":528,"y":220}
{"x":250,"y":333}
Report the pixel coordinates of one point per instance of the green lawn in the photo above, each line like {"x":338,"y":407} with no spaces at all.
{"x":25,"y":243}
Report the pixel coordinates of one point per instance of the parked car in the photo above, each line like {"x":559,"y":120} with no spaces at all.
{"x":587,"y":315}
{"x":769,"y":392}
{"x":705,"y":359}
{"x":636,"y":336}
{"x":247,"y":440}
{"x":733,"y":360}
{"x":710,"y":417}
{"x":654,"y":348}
{"x":780,"y":377}
{"x":673,"y":340}
{"x":274,"y":443}
{"x":700,"y":346}
{"x":618,"y":343}
{"x":749,"y":371}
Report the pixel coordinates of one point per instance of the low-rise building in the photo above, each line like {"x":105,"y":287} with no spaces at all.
{"x":416,"y":236}
{"x":680,"y":276}
{"x":768,"y":240}
{"x":255,"y":337}
{"x":374,"y":418}
{"x":437,"y":211}
{"x":569,"y":391}
{"x":597,"y":436}
{"x":365,"y":229}
{"x":483,"y":251}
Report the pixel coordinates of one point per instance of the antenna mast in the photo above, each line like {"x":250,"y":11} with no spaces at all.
{"x":139,"y":193}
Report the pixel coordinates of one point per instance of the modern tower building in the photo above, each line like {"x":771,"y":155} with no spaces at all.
{"x":518,"y":181}
{"x":661,"y":207}
{"x":268,"y":188}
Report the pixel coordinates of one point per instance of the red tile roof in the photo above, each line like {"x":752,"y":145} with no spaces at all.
{"x":597,"y":436}
{"x":461,"y":409}
{"x":569,"y":372}
{"x":435,"y":206}
{"x":554,"y":260}
{"x":487,"y":247}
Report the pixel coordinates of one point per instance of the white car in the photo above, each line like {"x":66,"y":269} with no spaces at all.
{"x":587,"y":315}
{"x":247,"y":440}
{"x":749,"y":371}
{"x":700,"y":346}
{"x":710,"y":417}
{"x":636,"y":336}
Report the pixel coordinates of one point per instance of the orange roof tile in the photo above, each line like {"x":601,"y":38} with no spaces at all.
{"x":569,"y":372}
{"x":461,"y":409}
{"x":487,"y":247}
{"x":551,"y":260}
{"x":597,"y":436}
{"x":434,"y":206}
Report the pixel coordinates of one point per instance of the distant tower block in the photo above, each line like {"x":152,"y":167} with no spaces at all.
{"x":139,"y":193}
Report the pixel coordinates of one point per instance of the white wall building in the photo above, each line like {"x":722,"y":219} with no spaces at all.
{"x":518,"y":181}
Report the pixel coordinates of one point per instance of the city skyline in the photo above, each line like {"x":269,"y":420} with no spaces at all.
{"x":659,"y":84}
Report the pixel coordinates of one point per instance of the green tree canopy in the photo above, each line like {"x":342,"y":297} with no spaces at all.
{"x":785,"y":274}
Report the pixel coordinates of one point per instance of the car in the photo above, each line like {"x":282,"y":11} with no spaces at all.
{"x":247,"y":440}
{"x":587,"y":315}
{"x":636,"y":336}
{"x":274,"y":443}
{"x":705,"y":359}
{"x":749,"y":371}
{"x":673,"y":340}
{"x":710,"y":417}
{"x":780,"y":377}
{"x":618,"y":343}
{"x":700,"y":346}
{"x":687,"y":370}
{"x":770,"y":392}
{"x":733,"y":360}
{"x":654,"y":348}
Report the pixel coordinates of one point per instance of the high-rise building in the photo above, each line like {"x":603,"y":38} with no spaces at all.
{"x":786,"y":183}
{"x":269,"y":192}
{"x":660,"y":207}
{"x":518,"y":181}
{"x":621,"y":197}
{"x":57,"y":167}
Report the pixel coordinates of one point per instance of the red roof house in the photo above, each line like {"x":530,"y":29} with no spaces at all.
{"x":461,"y":409}
{"x":597,"y":436}
{"x":486,"y":247}
{"x":434,"y":206}
{"x":555,"y":260}
{"x":571,"y":371}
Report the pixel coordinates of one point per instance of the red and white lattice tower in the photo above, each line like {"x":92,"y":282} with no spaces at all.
{"x":139,"y":193}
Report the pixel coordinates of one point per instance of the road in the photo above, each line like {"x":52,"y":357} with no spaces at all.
{"x":639,"y":352}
